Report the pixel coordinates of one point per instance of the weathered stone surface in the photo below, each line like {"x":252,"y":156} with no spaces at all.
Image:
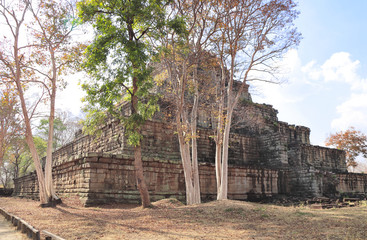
{"x":266,"y":157}
{"x":164,"y":180}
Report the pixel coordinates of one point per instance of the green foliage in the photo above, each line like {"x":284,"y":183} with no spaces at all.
{"x":94,"y":118}
{"x":118,"y":61}
{"x":59,"y":127}
{"x":18,"y":159}
{"x":41,"y":146}
{"x":178,"y":25}
{"x":26,"y":162}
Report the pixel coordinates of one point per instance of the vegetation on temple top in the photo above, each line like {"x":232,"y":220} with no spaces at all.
{"x":352,"y":141}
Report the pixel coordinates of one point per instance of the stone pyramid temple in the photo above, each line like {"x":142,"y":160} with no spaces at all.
{"x":267,"y":157}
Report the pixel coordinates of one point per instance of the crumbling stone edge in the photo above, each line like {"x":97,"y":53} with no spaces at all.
{"x":28,"y":229}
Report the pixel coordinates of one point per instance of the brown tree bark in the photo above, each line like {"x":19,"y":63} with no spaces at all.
{"x":140,"y":180}
{"x":138,"y":162}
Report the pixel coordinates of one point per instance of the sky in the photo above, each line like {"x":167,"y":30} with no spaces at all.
{"x":325,"y":85}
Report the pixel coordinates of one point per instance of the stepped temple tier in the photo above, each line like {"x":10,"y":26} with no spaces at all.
{"x":267,"y":158}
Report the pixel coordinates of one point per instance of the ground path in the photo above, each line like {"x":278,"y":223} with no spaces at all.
{"x":171,"y":220}
{"x":8,"y":232}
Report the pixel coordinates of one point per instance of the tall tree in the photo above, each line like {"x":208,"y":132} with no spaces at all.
{"x":54,"y":23}
{"x":352,"y":141}
{"x":185,"y":44}
{"x":13,"y":59}
{"x":118,"y":61}
{"x":39,"y":61}
{"x":250,"y":36}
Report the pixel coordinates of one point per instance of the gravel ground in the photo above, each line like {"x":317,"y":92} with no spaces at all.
{"x":8,"y":232}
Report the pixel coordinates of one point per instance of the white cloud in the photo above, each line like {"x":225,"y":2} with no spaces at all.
{"x":353,"y":112}
{"x":297,"y":78}
{"x":288,"y":96}
{"x":339,"y":67}
{"x":291,"y":76}
{"x":327,"y":97}
{"x":310,"y":70}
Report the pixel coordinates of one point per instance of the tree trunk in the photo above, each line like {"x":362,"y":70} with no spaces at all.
{"x":51,"y":194}
{"x":230,"y":104}
{"x":16,"y":164}
{"x":189,"y":164}
{"x":50,"y":190}
{"x":37,"y":164}
{"x":139,"y":175}
{"x":29,"y":135}
{"x":186,"y":165}
{"x":138,"y":163}
{"x":218,"y":145}
{"x":220,"y":132}
{"x":223,"y":190}
{"x":194,"y":150}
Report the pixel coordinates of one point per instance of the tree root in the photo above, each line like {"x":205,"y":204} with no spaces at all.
{"x":51,"y":203}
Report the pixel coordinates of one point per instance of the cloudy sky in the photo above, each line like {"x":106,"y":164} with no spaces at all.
{"x":325,"y":86}
{"x":326,"y":80}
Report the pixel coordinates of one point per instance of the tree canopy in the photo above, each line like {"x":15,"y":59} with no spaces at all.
{"x":37,"y":50}
{"x":352,"y":141}
{"x":118,"y":61}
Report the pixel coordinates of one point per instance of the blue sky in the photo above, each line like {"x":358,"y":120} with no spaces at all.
{"x":326,"y":80}
{"x":326,"y":76}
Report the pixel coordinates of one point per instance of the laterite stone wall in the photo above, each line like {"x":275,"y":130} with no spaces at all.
{"x":104,"y":178}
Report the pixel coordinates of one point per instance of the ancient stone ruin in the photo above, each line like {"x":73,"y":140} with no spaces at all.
{"x":267,"y":158}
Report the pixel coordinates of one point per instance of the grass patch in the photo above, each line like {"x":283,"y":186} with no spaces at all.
{"x":262,"y":212}
{"x":236,"y":210}
{"x":300,"y":213}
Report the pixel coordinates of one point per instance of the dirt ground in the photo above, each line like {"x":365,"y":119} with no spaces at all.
{"x":170,"y":219}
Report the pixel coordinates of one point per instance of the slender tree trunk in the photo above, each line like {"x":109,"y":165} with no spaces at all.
{"x":194,"y":150}
{"x":138,"y":162}
{"x":220,"y":133}
{"x":195,"y":172}
{"x":186,"y":163}
{"x":230,"y":104}
{"x":189,"y":163}
{"x":29,"y":135}
{"x":51,"y":193}
{"x":139,"y":175}
{"x":48,"y":166}
{"x":182,"y":128}
{"x":16,"y":165}
{"x":219,"y":136}
{"x":218,"y":152}
{"x":223,"y":190}
{"x":37,"y":164}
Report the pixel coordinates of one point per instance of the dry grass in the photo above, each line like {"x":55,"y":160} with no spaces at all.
{"x":170,"y":219}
